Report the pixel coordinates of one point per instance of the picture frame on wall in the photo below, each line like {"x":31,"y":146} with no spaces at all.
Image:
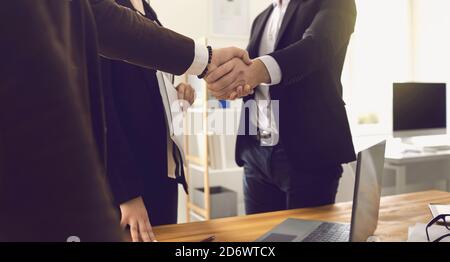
{"x":230,"y":18}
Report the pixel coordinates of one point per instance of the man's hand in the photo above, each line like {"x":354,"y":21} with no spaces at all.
{"x":236,"y":79}
{"x":221,"y":56}
{"x":134,"y":214}
{"x":186,"y":93}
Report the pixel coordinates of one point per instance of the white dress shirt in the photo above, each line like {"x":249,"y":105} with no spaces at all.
{"x":201,"y":59}
{"x":265,"y":118}
{"x":138,"y":5}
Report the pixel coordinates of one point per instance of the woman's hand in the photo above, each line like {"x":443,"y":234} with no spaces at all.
{"x":134,"y":214}
{"x":186,"y":93}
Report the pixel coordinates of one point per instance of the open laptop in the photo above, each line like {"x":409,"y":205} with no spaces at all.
{"x":366,"y":204}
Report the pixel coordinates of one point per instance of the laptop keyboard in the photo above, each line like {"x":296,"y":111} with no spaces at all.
{"x":329,"y":232}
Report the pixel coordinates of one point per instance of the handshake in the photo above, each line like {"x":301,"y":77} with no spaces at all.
{"x":232,"y":74}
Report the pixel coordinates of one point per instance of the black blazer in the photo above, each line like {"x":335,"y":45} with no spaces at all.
{"x":310,"y":50}
{"x":136,"y":130}
{"x":52,"y":182}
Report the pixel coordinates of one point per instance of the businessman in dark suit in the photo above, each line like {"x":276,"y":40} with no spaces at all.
{"x":52,"y":131}
{"x":296,"y":135}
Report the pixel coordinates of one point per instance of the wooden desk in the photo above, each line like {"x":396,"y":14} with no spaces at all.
{"x":397,"y":213}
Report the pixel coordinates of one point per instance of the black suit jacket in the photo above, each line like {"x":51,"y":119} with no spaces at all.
{"x":136,"y":128}
{"x":51,"y":111}
{"x":310,"y":50}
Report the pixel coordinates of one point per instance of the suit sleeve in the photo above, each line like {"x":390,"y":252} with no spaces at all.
{"x":328,"y":34}
{"x":125,"y":35}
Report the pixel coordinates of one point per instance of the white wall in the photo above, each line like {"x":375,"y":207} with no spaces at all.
{"x":432,"y":42}
{"x":191,"y":18}
{"x":379,"y":55}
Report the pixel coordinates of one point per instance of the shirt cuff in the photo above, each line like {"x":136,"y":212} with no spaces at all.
{"x":273,"y":68}
{"x":200,"y":62}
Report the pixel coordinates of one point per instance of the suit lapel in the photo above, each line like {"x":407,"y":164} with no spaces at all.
{"x":258,"y":32}
{"x":126,"y":3}
{"x":291,"y":10}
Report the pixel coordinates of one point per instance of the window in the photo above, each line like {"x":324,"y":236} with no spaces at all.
{"x":380,"y":53}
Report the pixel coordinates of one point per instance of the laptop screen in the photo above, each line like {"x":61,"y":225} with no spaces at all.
{"x":367,"y":194}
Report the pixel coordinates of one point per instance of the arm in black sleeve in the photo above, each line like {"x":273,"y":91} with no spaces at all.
{"x":151,"y":46}
{"x":327,"y":35}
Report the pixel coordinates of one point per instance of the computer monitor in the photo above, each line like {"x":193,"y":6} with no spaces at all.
{"x":419,"y":109}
